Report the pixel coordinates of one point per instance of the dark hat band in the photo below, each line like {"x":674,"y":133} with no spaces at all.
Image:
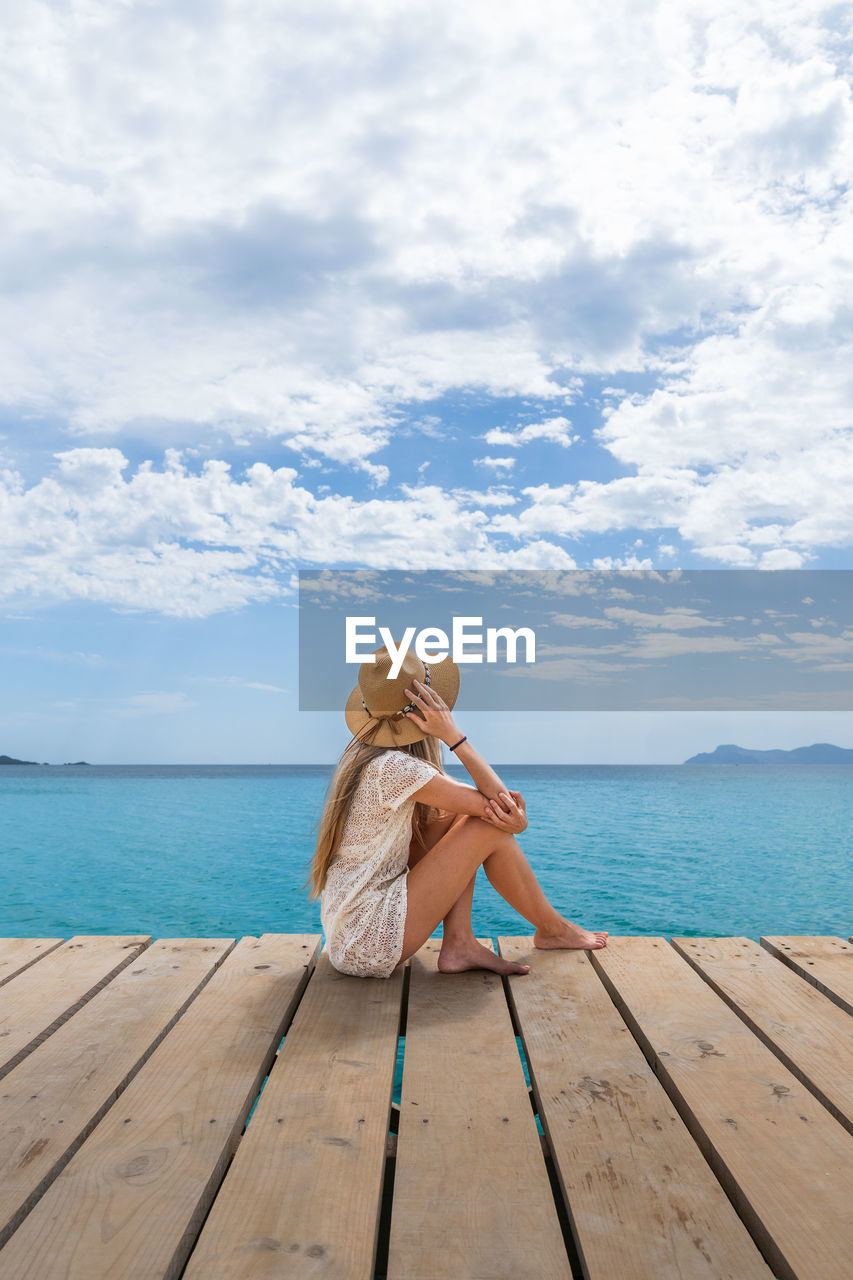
{"x":392,"y":715}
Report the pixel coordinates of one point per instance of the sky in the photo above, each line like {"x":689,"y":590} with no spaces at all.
{"x":378,"y":285}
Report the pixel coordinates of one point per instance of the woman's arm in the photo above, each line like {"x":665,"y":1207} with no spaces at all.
{"x":446,"y":793}
{"x":482,"y":774}
{"x":434,"y":717}
{"x":507,"y":812}
{"x":503,"y":807}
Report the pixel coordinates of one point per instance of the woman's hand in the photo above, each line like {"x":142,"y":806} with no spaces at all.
{"x":432,"y":714}
{"x":508,"y":812}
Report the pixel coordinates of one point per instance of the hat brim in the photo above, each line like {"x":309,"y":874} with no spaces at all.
{"x":401,"y":730}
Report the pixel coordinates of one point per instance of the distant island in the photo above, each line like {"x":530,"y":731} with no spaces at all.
{"x":69,"y":764}
{"x":818,"y":753}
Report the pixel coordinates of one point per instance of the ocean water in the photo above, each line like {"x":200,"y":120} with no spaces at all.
{"x":213,"y":851}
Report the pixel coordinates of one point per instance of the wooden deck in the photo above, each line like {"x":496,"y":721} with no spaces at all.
{"x":691,"y":1112}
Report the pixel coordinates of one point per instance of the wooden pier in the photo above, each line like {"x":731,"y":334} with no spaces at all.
{"x":212,"y":1108}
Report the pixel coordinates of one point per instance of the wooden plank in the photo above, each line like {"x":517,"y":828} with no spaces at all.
{"x":55,"y":1097}
{"x":130,"y":1202}
{"x":17,"y":954}
{"x":811,"y":1035}
{"x":642,"y":1200}
{"x":302,"y":1196}
{"x":472,"y":1195}
{"x":786,"y":1164}
{"x":827,"y":963}
{"x":43,"y":996}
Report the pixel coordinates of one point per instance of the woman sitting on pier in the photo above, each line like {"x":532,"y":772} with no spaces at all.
{"x":400,"y":842}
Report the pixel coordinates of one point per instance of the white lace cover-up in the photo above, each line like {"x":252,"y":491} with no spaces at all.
{"x":363,"y":907}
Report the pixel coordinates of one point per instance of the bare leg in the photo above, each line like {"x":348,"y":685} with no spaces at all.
{"x":440,"y":877}
{"x":460,"y":950}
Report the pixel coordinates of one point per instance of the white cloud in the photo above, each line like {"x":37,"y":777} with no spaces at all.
{"x":496,"y":464}
{"x":553,"y":430}
{"x":770,"y":509}
{"x":264,"y":223}
{"x":577,"y":620}
{"x":486,"y":497}
{"x":243,"y":684}
{"x":536,"y":554}
{"x":684,"y":619}
{"x":190,"y":543}
{"x":55,"y":655}
{"x":770,"y":386}
{"x":809,"y":647}
{"x":660,"y":645}
{"x":645,"y":501}
{"x":782,"y":558}
{"x":622,"y":562}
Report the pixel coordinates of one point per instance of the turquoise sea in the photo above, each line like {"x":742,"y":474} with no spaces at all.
{"x":178,"y":851}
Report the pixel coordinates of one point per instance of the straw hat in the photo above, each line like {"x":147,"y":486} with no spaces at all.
{"x":375,"y":710}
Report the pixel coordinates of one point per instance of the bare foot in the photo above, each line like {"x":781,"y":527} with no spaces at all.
{"x":570,"y":937}
{"x":457,"y":957}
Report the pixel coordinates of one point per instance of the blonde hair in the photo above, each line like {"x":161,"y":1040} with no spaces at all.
{"x":339,"y":796}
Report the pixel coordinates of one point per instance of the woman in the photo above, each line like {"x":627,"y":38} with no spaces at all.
{"x":400,"y":842}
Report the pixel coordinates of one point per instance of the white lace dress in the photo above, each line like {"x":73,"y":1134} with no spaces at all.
{"x":363,"y":907}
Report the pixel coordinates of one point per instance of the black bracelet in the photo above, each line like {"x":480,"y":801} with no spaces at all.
{"x":457,"y":744}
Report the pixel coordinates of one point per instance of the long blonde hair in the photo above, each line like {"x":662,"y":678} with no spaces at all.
{"x":341,"y":791}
